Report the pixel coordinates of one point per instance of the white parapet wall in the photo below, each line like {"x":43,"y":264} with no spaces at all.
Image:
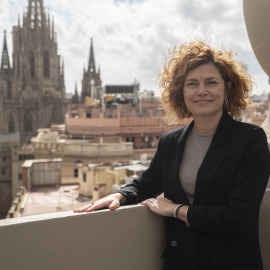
{"x":130,"y":238}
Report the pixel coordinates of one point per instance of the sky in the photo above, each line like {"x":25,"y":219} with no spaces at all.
{"x":132,"y":37}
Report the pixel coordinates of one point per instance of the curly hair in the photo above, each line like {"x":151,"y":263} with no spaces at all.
{"x":190,"y":55}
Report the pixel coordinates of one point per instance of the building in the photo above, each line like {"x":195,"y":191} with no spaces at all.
{"x":123,"y":93}
{"x":32,"y":88}
{"x":97,"y":180}
{"x":142,"y":124}
{"x":32,"y":91}
{"x":257,"y":111}
{"x":92,"y":86}
{"x":35,"y":174}
{"x":91,"y":82}
{"x":19,"y":155}
{"x":7,"y":143}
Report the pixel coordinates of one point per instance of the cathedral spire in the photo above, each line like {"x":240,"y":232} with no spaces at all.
{"x":36,"y":15}
{"x":5,"y":64}
{"x":91,"y":64}
{"x":53,"y":28}
{"x":75,"y":97}
{"x":63,"y":67}
{"x":76,"y":89}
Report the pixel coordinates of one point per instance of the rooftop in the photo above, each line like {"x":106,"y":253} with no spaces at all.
{"x":54,"y":198}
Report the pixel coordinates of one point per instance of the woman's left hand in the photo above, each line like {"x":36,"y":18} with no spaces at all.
{"x":160,"y":206}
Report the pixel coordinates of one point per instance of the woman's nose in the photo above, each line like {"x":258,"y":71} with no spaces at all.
{"x":202,"y":89}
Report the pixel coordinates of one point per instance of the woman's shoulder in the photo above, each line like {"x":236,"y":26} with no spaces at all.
{"x":248,"y":127}
{"x":248,"y":132}
{"x":173,"y":134}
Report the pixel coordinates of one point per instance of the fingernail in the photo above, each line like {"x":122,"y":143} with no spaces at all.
{"x":112,"y":207}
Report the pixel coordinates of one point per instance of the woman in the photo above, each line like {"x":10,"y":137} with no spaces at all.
{"x":213,"y":172}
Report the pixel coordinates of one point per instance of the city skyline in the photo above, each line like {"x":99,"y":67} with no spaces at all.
{"x":131,"y":37}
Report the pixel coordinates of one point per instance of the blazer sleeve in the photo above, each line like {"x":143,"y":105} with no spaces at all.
{"x":241,"y":212}
{"x":150,"y":184}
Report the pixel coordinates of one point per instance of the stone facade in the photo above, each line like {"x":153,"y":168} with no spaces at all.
{"x":32,"y":89}
{"x":7,"y":142}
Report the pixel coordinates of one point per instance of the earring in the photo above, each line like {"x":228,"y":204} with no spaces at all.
{"x":184,"y":109}
{"x":226,"y":104}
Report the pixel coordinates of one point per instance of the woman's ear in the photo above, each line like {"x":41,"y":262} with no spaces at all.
{"x":229,"y":85}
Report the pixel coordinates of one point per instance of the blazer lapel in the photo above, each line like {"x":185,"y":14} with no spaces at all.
{"x":214,"y":158}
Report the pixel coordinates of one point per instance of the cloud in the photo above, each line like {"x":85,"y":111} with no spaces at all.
{"x":131,"y":37}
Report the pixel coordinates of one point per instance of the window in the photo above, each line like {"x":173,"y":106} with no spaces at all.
{"x":76,"y":172}
{"x":9,"y":90}
{"x":20,"y":176}
{"x":11,"y":126}
{"x":130,"y":139}
{"x":18,"y":66}
{"x":84,"y":177}
{"x":4,"y":159}
{"x":32,"y":64}
{"x":88,"y":115}
{"x":3,"y":170}
{"x":28,"y":122}
{"x":46,"y":65}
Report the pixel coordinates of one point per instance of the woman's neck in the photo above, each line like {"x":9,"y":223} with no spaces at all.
{"x":206,"y":125}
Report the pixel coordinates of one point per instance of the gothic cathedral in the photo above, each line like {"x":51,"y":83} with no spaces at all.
{"x":32,"y":89}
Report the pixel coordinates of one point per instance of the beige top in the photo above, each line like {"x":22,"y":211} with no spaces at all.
{"x":195,"y":150}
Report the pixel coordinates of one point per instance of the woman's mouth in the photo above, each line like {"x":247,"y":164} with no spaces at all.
{"x":202,"y":101}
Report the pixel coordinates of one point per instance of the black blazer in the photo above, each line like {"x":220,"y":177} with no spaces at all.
{"x":230,"y":185}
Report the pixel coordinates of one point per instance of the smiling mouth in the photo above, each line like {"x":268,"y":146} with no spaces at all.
{"x":202,"y":101}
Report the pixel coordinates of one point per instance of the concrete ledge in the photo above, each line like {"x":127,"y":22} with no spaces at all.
{"x":131,"y":237}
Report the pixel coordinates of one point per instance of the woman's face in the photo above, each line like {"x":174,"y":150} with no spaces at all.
{"x":204,"y":91}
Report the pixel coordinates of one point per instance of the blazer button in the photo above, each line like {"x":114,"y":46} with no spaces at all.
{"x":174,"y":243}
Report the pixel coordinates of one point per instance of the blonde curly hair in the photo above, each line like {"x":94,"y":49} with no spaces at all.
{"x":190,"y":55}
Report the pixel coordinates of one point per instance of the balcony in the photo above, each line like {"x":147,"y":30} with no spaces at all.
{"x":129,"y":238}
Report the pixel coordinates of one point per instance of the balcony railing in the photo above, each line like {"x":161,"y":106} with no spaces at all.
{"x":129,"y":238}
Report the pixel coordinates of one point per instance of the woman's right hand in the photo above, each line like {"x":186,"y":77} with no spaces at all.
{"x":112,"y":202}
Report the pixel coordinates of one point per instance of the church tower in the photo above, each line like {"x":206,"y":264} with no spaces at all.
{"x":91,"y":82}
{"x":32,"y":90}
{"x":9,"y":102}
{"x":34,"y":87}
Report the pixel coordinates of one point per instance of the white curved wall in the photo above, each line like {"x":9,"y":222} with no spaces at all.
{"x":257,"y":19}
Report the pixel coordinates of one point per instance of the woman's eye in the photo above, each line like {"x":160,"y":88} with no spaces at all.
{"x":212,"y":83}
{"x":191,"y":84}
